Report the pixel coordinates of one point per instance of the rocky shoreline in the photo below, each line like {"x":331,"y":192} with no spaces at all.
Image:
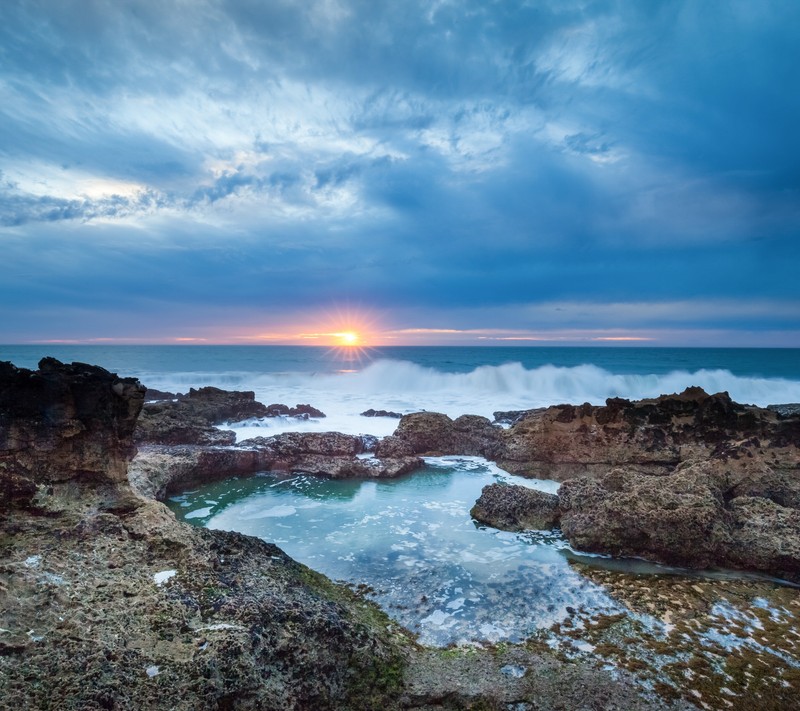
{"x":109,"y":602}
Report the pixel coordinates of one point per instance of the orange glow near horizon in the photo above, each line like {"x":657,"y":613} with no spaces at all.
{"x":348,"y":338}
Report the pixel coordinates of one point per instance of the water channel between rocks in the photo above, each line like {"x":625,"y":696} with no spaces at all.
{"x":412,"y":540}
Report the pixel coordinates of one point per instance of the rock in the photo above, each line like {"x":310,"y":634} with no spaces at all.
{"x":510,"y":507}
{"x":392,"y":446}
{"x":675,"y":519}
{"x":124,"y":607}
{"x":158,"y":471}
{"x":791,"y":409}
{"x":651,"y":436}
{"x":161,"y":470}
{"x":191,"y":419}
{"x":300,"y":411}
{"x":152,"y":395}
{"x":380,"y":413}
{"x":433,"y":433}
{"x":700,"y":515}
{"x":65,"y":423}
{"x":765,"y":536}
{"x":510,"y":417}
{"x":98,"y":604}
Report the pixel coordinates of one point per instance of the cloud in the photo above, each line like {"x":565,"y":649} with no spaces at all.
{"x":421,"y":156}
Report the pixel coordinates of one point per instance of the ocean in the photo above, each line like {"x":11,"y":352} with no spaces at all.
{"x":343,"y":382}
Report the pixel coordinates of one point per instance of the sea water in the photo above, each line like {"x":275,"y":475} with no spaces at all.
{"x":343,"y":383}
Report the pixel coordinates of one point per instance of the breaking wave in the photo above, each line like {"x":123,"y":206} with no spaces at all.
{"x":491,"y":386}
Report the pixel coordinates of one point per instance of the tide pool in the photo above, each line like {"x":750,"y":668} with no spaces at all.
{"x":413,"y":542}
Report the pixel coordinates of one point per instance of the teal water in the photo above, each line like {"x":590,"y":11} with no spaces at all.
{"x":627,"y":360}
{"x":412,"y":540}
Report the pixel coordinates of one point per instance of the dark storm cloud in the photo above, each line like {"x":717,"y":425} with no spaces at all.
{"x":434,"y":156}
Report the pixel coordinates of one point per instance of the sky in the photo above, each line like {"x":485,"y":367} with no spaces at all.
{"x":548,"y":172}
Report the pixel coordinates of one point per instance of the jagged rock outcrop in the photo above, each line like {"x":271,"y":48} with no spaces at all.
{"x":511,"y":417}
{"x":191,"y":419}
{"x":300,"y":411}
{"x":432,"y":433}
{"x":158,"y":470}
{"x":380,"y":413}
{"x":65,"y":424}
{"x":649,"y":436}
{"x":692,"y":479}
{"x":510,"y":507}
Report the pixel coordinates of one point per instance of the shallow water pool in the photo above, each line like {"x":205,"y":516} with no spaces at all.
{"x":412,"y":540}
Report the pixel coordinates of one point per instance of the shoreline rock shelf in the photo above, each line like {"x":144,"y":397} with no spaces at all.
{"x":106,"y":601}
{"x":694,"y":480}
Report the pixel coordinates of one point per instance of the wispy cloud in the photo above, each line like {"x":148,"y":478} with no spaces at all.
{"x":560,"y":165}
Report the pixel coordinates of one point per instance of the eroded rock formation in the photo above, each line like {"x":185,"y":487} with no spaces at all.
{"x":691,"y":479}
{"x":651,"y":436}
{"x":432,"y":433}
{"x":160,"y":470}
{"x":63,"y":426}
{"x":516,"y":508}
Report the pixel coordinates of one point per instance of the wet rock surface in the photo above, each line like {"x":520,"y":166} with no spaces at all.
{"x":714,"y":643}
{"x":650,"y":436}
{"x":299,"y":411}
{"x":516,"y":508}
{"x":380,"y":413}
{"x":191,"y":418}
{"x":432,"y":433}
{"x":159,"y":470}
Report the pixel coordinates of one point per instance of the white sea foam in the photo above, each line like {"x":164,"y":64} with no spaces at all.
{"x":405,"y":387}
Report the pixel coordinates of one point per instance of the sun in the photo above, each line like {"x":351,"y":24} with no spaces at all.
{"x":347,"y":338}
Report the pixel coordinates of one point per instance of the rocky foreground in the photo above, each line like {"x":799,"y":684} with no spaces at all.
{"x":107,"y":602}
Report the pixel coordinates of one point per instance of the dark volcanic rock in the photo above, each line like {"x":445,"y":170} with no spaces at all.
{"x":380,"y":413}
{"x":510,"y":417}
{"x":300,"y":411}
{"x":433,"y":433}
{"x":65,"y":422}
{"x":516,"y":508}
{"x":153,"y":394}
{"x":191,"y":419}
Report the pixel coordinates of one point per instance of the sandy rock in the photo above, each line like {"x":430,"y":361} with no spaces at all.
{"x":700,"y":515}
{"x":516,"y":508}
{"x":650,"y":436}
{"x":433,"y":433}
